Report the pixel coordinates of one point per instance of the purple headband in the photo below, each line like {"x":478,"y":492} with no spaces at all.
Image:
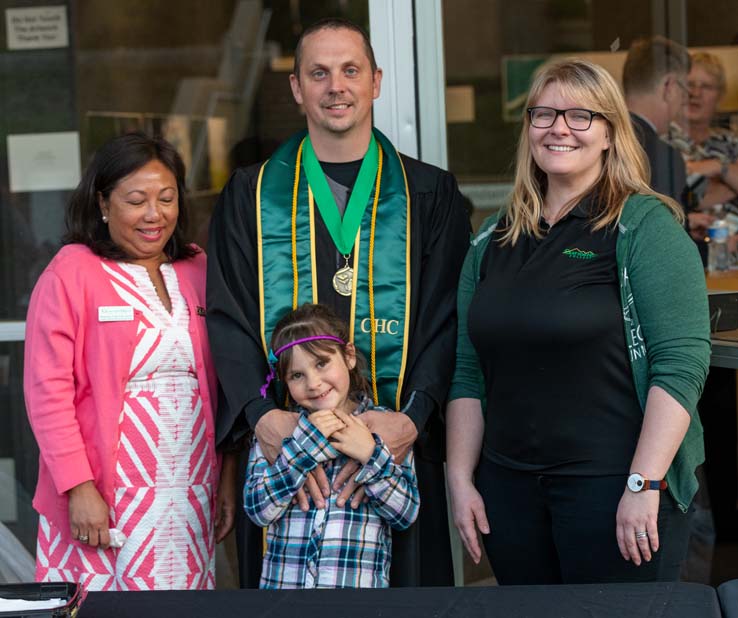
{"x":274,"y":357}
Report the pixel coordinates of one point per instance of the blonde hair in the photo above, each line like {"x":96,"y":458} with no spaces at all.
{"x":625,"y":169}
{"x":714,"y":67}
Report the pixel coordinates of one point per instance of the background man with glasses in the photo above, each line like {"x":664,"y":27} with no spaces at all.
{"x":655,"y":85}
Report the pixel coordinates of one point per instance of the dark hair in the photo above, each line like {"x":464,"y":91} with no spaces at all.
{"x":114,"y":161}
{"x":333,"y":23}
{"x":649,"y":60}
{"x":308,"y":320}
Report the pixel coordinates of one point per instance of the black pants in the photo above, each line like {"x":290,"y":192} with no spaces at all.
{"x":550,"y":529}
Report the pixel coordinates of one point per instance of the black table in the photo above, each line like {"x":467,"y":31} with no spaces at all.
{"x":585,"y":601}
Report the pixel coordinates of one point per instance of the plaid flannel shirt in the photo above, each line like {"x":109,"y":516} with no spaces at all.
{"x":334,"y":547}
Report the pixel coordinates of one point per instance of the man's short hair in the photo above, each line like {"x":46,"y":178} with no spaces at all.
{"x":333,"y":23}
{"x":649,"y":60}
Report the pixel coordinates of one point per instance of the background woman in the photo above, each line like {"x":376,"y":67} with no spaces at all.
{"x":119,"y":383}
{"x":583,"y":348}
{"x":709,"y":150}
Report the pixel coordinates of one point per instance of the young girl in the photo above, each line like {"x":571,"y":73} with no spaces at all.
{"x":337,"y":546}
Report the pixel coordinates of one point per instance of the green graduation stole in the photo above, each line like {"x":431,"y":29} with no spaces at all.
{"x":380,"y":298}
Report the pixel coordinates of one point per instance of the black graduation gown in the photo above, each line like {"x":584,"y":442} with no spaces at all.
{"x":440,"y":237}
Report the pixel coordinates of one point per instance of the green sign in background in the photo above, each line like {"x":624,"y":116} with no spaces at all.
{"x":517,"y":73}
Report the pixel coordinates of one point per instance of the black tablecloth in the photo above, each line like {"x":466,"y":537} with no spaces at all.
{"x":591,"y":601}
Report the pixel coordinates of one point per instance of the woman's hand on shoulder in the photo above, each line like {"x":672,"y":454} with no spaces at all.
{"x":89,"y":515}
{"x":469,"y":515}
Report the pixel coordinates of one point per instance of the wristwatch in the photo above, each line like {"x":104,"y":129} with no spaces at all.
{"x":637,"y":482}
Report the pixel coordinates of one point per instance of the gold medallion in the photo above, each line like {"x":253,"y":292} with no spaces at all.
{"x":343,"y":280}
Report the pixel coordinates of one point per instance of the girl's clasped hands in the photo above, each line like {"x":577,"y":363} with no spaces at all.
{"x":347,"y":433}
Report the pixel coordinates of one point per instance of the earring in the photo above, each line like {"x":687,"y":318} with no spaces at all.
{"x":105,"y":218}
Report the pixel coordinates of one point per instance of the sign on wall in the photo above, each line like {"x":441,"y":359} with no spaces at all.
{"x":38,"y":27}
{"x":43,"y":161}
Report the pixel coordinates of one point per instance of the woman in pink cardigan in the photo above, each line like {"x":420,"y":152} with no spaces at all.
{"x":119,"y":384}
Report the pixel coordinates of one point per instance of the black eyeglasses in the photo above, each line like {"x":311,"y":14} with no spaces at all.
{"x":576,"y":119}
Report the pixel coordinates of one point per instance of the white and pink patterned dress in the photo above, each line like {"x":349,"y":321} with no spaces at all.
{"x":164,"y":486}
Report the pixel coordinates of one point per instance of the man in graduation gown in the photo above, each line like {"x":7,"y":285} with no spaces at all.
{"x":337,"y":216}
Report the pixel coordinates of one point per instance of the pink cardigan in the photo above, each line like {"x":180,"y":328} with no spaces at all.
{"x":76,"y":369}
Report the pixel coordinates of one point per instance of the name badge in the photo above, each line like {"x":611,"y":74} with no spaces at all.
{"x":115,"y":314}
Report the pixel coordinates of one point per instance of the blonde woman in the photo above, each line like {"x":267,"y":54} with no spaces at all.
{"x":583,"y":348}
{"x":709,"y":151}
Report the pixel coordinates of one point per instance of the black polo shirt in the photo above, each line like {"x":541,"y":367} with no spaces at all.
{"x":547,"y":325}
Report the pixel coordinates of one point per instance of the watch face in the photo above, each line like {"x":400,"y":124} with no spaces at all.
{"x":636,"y":482}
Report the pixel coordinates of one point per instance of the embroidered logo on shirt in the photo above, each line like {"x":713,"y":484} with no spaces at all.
{"x":578,"y":254}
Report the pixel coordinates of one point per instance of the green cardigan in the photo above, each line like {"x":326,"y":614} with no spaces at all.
{"x":666,"y":319}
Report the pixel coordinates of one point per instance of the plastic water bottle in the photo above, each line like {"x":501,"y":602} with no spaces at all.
{"x":717,"y":249}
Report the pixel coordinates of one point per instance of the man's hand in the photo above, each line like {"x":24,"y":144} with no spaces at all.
{"x":89,"y":515}
{"x":396,"y":429}
{"x":272,"y":428}
{"x":225,"y":505}
{"x":348,"y":487}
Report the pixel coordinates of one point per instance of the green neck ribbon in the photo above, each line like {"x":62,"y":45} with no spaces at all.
{"x":343,"y":232}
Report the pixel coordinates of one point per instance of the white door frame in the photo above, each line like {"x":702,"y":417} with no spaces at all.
{"x":418,"y":130}
{"x":407,"y":38}
{"x":391,"y":27}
